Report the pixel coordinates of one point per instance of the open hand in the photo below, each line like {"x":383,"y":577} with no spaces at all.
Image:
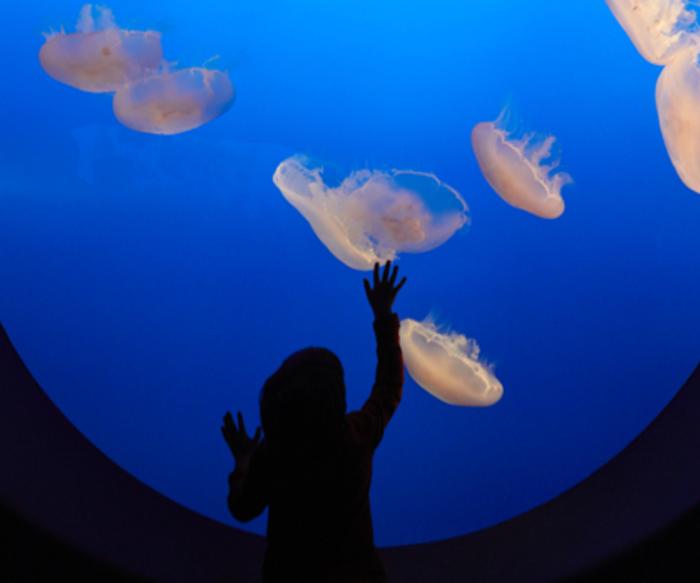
{"x":382,"y":294}
{"x":241,"y":446}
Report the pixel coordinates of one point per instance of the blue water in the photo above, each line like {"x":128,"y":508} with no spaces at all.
{"x":153,"y":283}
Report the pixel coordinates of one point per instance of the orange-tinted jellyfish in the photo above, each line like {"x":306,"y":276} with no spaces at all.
{"x":447,"y":365}
{"x":100,"y":57}
{"x":658,"y":28}
{"x":678,"y":105}
{"x":373,"y":215}
{"x":517,"y":169}
{"x":174,"y":102}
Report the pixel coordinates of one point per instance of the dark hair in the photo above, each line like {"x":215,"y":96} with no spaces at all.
{"x":302,"y":405}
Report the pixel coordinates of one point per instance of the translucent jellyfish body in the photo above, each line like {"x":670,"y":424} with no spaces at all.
{"x":678,"y":104}
{"x":174,"y":102}
{"x":448,"y":365}
{"x":658,"y":28}
{"x":100,"y":57}
{"x":515,"y":169}
{"x":373,"y":215}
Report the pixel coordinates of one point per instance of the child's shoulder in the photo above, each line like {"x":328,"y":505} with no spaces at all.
{"x":358,"y":433}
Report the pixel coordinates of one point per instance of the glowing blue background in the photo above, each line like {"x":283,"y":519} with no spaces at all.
{"x":152,"y":283}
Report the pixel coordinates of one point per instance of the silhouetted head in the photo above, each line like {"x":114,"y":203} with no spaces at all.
{"x":303,"y":403}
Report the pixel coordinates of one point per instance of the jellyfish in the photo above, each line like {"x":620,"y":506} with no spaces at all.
{"x":658,"y":28}
{"x":173,"y":102}
{"x":677,"y":102}
{"x":515,"y":170}
{"x":100,"y":57}
{"x":447,"y":365}
{"x":373,"y":215}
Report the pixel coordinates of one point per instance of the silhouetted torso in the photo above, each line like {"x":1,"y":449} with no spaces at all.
{"x":319,"y":523}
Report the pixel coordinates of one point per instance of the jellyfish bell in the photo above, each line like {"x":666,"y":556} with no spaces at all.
{"x":174,"y":102}
{"x":677,"y":92}
{"x":659,"y":29}
{"x":447,"y":365}
{"x":372,"y":215}
{"x":101,"y":61}
{"x":515,"y":169}
{"x":304,"y":188}
{"x":100,"y":57}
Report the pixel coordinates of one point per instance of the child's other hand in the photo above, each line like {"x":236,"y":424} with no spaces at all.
{"x":241,"y":446}
{"x":383,"y":293}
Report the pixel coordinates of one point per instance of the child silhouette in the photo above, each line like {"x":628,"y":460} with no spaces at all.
{"x":313,"y":467}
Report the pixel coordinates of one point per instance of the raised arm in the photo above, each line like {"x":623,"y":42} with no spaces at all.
{"x":388,"y":384}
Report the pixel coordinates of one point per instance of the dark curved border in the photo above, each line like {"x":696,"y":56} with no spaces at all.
{"x":56,"y":478}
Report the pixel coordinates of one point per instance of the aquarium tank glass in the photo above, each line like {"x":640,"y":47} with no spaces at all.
{"x":191,"y":192}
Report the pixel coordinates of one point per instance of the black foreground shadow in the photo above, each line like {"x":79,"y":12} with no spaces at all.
{"x":70,"y":513}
